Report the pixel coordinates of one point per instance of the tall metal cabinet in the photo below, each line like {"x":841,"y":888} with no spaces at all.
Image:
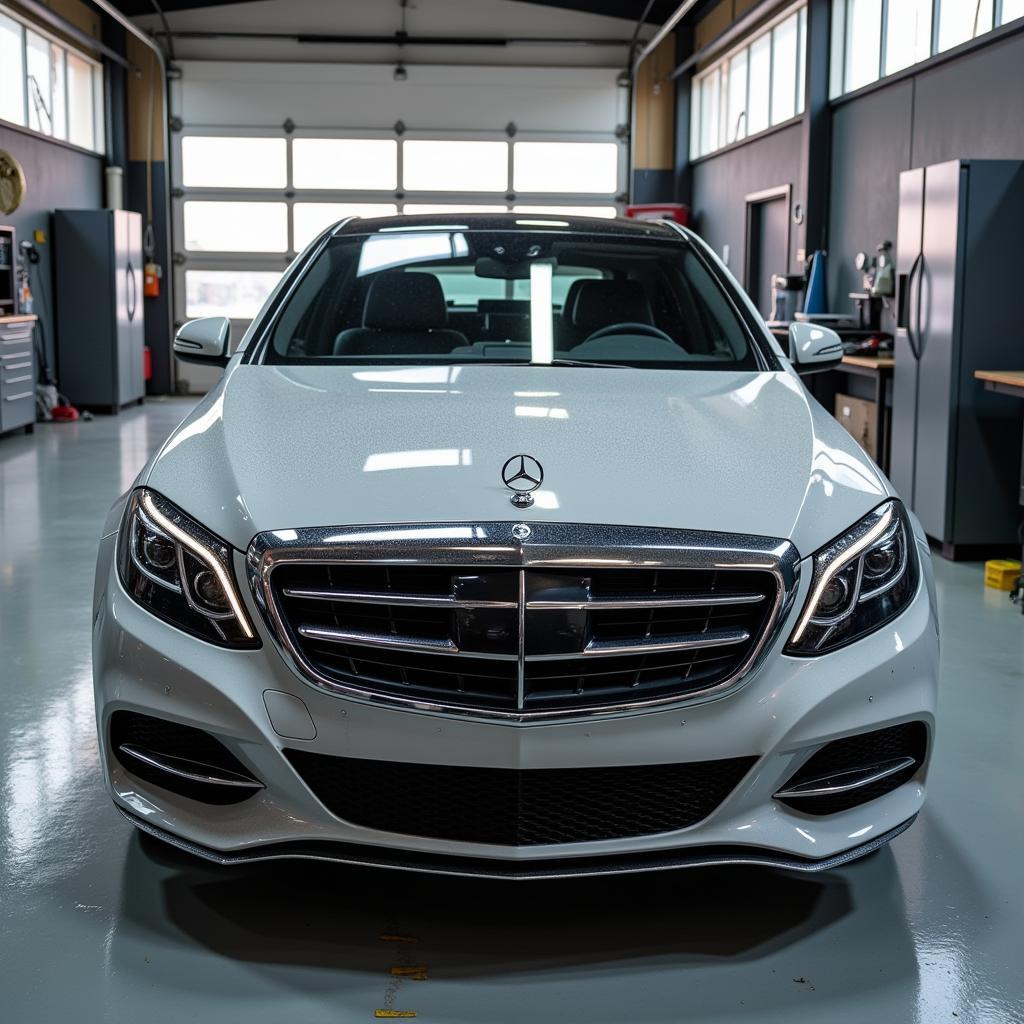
{"x":956,"y":447}
{"x":100,"y":338}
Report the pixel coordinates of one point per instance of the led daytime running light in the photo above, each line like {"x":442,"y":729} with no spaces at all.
{"x":205,"y":556}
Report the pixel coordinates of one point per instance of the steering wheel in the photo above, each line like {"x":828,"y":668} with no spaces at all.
{"x":646,"y":330}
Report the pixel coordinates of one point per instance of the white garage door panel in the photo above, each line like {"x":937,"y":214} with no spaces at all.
{"x":562,"y":100}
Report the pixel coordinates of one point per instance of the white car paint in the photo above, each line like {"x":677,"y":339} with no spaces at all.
{"x":280,"y":448}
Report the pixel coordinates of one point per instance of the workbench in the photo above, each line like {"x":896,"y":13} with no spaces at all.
{"x":1006,"y":382}
{"x":17,"y":373}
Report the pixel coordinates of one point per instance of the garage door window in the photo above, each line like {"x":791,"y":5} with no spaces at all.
{"x":455,"y":166}
{"x":359,"y":164}
{"x":210,"y":161}
{"x":237,"y":294}
{"x":312,"y":218}
{"x":236,"y":227}
{"x":590,"y":167}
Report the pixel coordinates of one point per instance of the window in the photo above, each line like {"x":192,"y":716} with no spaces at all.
{"x":582,"y":167}
{"x":455,"y":166}
{"x":48,"y":87}
{"x":908,"y":34}
{"x":312,"y":218}
{"x":215,"y":161}
{"x":569,"y":211}
{"x":345,"y":164}
{"x":752,"y":88}
{"x":236,"y":227}
{"x":12,"y":73}
{"x":237,"y":294}
{"x":875,"y":38}
{"x":412,"y":208}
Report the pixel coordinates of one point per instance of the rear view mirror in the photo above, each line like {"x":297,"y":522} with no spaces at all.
{"x":204,"y":341}
{"x":813,"y":348}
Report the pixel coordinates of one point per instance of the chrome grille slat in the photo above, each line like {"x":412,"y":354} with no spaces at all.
{"x":574,"y":619}
{"x":395,"y":599}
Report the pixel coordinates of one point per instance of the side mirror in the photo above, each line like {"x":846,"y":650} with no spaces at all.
{"x":813,"y":348}
{"x":204,"y":341}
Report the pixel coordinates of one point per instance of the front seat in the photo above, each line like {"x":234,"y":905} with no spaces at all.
{"x":404,"y":314}
{"x":603,"y":303}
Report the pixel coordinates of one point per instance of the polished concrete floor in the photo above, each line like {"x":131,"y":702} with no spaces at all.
{"x":96,"y":925}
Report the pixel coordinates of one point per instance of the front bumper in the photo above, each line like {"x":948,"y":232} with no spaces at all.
{"x":785,"y":711}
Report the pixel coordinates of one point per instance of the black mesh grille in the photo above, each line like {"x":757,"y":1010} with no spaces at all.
{"x":864,"y":749}
{"x":485,"y":672}
{"x":162,"y":737}
{"x":508,"y":807}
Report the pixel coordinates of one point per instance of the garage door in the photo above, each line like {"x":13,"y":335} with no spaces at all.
{"x":265,"y":156}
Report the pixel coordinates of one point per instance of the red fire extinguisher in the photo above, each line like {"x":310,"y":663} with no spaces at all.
{"x":151,"y":274}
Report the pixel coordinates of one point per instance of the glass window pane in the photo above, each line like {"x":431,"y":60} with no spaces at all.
{"x":236,"y":227}
{"x":801,"y":61}
{"x":908,"y":34}
{"x":60,"y":99}
{"x":12,"y":76}
{"x":362,"y":164}
{"x":39,"y":74}
{"x":709,"y":96}
{"x":80,"y":102}
{"x":837,"y":49}
{"x":1011,"y":9}
{"x":863,"y":43}
{"x":736,"y":122}
{"x":695,"y":90}
{"x":237,"y":294}
{"x":311,"y":218}
{"x":455,"y":166}
{"x":462,"y":287}
{"x":784,"y":60}
{"x":570,"y":211}
{"x":760,"y":84}
{"x":565,"y":167}
{"x":411,"y":208}
{"x":212,"y":161}
{"x":960,"y":20}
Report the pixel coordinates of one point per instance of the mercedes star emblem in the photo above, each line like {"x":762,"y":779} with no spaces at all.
{"x":522,"y":475}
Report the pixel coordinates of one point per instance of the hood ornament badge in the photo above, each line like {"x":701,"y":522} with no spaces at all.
{"x":522,"y":475}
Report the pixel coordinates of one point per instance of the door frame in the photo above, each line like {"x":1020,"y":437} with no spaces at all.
{"x":752,"y":199}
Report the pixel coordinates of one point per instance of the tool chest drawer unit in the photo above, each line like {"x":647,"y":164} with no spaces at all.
{"x":17,"y":373}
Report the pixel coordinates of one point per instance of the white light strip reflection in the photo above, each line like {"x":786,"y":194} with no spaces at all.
{"x":848,"y":556}
{"x":227,"y":585}
{"x":542,"y":337}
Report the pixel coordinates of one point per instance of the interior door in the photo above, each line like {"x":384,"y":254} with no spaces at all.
{"x":903,"y":442}
{"x":767,"y":246}
{"x":936,"y":327}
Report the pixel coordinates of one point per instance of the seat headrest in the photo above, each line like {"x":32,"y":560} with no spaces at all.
{"x":569,"y":306}
{"x":602,"y":303}
{"x":400,"y":301}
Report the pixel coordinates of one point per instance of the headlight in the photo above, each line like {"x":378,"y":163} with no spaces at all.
{"x":181,"y":572}
{"x":860,"y":581}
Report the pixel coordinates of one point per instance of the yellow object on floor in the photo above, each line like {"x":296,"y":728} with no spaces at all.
{"x":1001,"y":573}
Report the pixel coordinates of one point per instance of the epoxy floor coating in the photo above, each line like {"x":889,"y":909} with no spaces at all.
{"x":98,"y":925}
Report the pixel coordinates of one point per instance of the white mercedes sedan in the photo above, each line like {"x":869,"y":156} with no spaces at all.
{"x":515,"y":547}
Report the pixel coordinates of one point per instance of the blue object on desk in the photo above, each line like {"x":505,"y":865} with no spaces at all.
{"x":816,"y":300}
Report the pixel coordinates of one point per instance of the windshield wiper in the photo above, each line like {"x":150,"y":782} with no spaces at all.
{"x":561,"y":361}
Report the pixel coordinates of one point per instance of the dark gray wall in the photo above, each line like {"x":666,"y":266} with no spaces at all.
{"x":57,"y":176}
{"x":967,"y":107}
{"x":721,"y":183}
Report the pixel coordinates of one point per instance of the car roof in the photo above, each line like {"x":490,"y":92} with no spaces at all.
{"x":508,"y":222}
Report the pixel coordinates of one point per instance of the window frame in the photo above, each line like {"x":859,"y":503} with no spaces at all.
{"x":96,"y":78}
{"x":185,"y":260}
{"x":722,"y":66}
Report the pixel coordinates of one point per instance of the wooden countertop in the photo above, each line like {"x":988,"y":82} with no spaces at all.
{"x":871,"y":362}
{"x":1008,"y":378}
{"x":20,"y":319}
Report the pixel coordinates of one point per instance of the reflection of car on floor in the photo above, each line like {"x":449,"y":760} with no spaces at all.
{"x":514,"y":546}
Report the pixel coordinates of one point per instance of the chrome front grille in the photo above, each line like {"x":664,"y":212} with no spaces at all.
{"x":571,"y":619}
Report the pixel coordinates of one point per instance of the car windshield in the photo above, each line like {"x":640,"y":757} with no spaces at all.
{"x":449,"y":294}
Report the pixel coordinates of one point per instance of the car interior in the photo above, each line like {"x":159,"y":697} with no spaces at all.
{"x":621,"y":307}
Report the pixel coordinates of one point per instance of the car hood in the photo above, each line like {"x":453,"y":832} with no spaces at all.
{"x":275,"y":447}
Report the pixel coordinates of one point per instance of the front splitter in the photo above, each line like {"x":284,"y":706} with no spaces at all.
{"x":470,"y":867}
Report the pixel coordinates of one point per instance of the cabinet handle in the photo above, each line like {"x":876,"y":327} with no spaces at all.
{"x":130,"y":275}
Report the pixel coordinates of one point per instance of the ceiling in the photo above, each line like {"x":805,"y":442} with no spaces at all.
{"x":628,"y":9}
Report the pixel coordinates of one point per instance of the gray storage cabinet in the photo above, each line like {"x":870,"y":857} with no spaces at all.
{"x":100,"y":336}
{"x":955,"y":446}
{"x":17,"y":373}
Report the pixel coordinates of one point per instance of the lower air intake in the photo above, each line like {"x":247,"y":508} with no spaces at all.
{"x":508,"y":807}
{"x":864,"y":756}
